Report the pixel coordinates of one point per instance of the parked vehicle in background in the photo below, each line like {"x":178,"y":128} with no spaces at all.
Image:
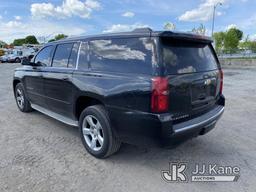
{"x":16,"y":55}
{"x":142,"y":87}
{"x":4,"y":57}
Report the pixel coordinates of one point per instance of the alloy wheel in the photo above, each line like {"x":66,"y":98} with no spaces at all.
{"x":20,"y":98}
{"x":93,"y":132}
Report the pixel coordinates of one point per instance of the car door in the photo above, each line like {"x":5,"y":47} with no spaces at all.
{"x":33,"y":79}
{"x":58,"y":84}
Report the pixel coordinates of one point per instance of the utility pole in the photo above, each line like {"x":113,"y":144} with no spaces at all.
{"x":213,"y":16}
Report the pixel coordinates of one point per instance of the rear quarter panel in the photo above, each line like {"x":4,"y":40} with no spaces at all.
{"x":126,"y":98}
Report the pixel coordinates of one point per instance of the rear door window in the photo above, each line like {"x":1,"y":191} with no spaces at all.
{"x":62,"y":54}
{"x":180,"y":56}
{"x":129,"y":55}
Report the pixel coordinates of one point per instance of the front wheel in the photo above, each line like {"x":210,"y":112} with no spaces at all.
{"x":96,"y":133}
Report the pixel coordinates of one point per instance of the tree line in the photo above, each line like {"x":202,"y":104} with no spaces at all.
{"x":31,"y":39}
{"x":231,"y":41}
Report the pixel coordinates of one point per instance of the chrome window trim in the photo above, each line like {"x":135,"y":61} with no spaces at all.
{"x":78,"y":55}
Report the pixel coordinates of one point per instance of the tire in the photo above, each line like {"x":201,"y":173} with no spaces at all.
{"x":21,"y":99}
{"x":94,"y":124}
{"x":17,"y":60}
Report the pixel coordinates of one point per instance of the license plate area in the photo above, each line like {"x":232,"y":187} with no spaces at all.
{"x":203,"y":91}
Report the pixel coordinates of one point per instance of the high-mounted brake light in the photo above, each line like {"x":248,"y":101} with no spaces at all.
{"x":160,"y":95}
{"x":221,"y":81}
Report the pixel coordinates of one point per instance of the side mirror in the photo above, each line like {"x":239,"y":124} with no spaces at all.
{"x":30,"y":57}
{"x":25,"y":61}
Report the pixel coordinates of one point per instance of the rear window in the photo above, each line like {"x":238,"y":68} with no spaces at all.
{"x":181,"y":57}
{"x":130,"y":55}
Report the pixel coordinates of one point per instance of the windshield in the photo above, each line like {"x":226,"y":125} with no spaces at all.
{"x":181,"y":56}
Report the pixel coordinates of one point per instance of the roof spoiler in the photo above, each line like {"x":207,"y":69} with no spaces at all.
{"x":187,"y":36}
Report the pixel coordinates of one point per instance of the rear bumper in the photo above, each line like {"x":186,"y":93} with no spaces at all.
{"x":192,"y":128}
{"x":158,"y":130}
{"x":203,"y":121}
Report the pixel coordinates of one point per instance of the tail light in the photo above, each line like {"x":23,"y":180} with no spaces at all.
{"x":221,"y":81}
{"x":160,"y":95}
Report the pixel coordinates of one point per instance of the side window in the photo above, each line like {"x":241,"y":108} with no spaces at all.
{"x":62,"y":54}
{"x":44,"y":56}
{"x":129,"y":55}
{"x":19,"y":53}
{"x":73,"y":56}
{"x":83,"y":56}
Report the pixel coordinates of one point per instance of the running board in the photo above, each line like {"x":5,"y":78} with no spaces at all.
{"x":55,"y":115}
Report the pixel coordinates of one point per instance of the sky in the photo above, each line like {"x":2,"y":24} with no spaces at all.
{"x":45,"y":19}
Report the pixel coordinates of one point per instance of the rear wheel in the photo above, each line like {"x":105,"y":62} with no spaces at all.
{"x":21,"y":99}
{"x":96,"y":133}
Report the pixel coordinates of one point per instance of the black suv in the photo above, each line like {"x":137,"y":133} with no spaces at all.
{"x":141,"y":87}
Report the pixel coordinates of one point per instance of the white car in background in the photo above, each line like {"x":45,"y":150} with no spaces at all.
{"x":16,"y":55}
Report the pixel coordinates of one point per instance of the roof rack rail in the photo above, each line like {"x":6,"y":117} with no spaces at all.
{"x":141,"y":30}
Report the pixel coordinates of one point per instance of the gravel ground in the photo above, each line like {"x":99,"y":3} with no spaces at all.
{"x":40,"y":154}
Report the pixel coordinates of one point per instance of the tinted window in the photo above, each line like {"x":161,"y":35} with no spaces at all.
{"x":131,"y":55}
{"x":44,"y":56}
{"x":73,"y":56}
{"x":83,"y":57}
{"x":62,"y":55}
{"x":187,"y":57}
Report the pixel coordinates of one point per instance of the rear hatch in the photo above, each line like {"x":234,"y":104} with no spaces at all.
{"x":193,"y":74}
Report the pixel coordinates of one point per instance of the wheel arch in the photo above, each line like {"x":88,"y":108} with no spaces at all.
{"x":15,"y":82}
{"x":84,"y":101}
